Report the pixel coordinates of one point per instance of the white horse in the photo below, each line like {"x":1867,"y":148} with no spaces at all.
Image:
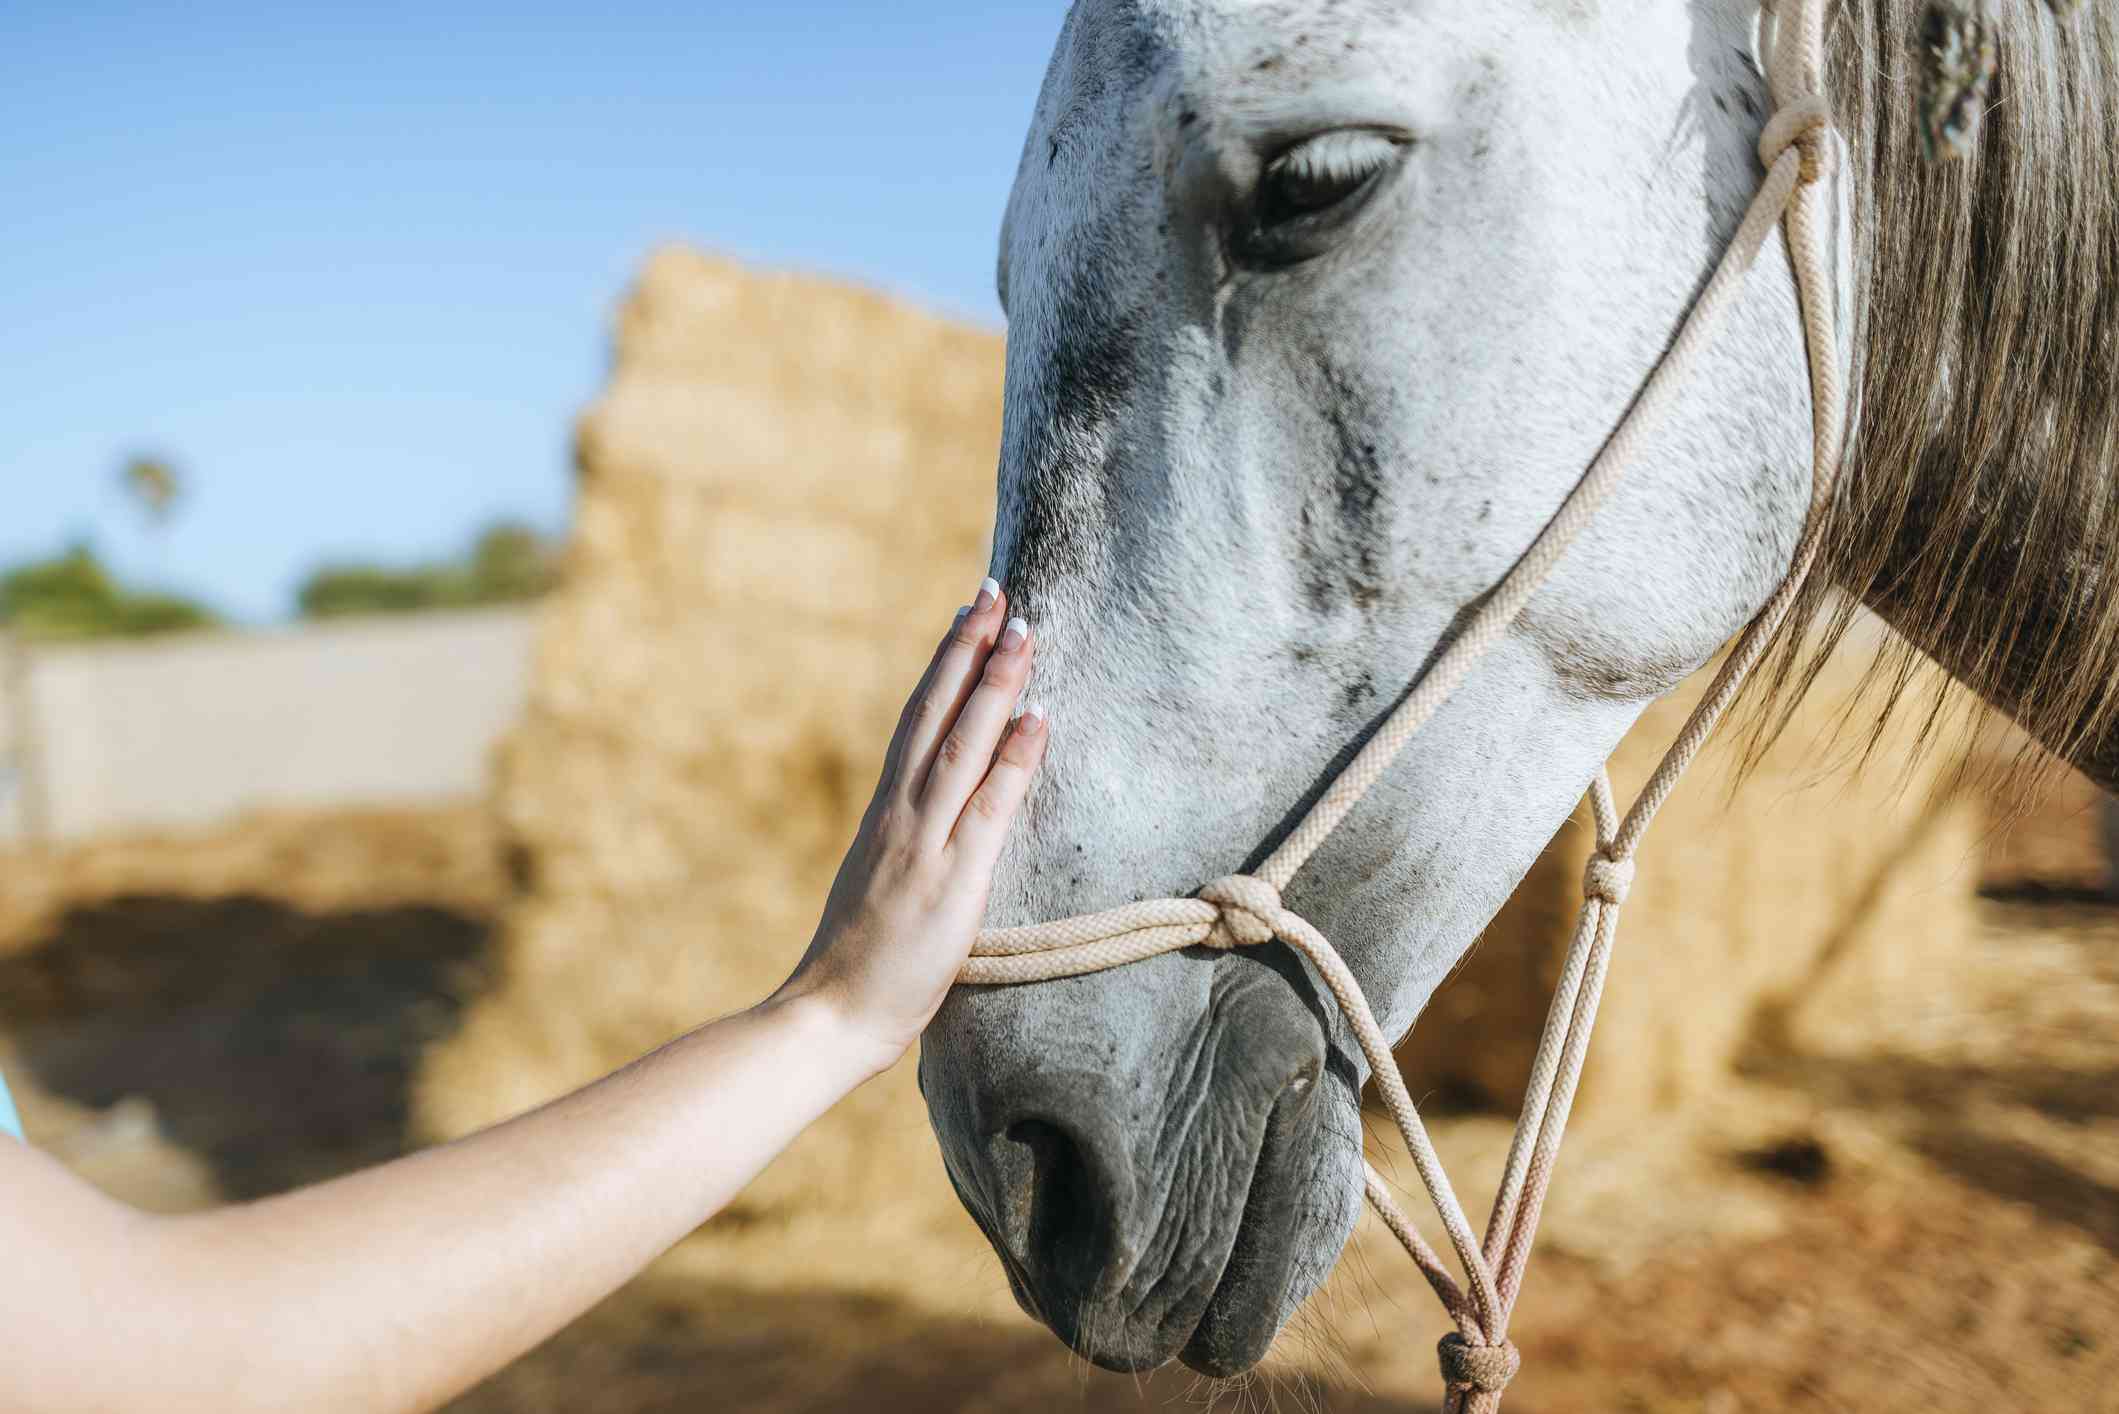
{"x":1317,"y":310}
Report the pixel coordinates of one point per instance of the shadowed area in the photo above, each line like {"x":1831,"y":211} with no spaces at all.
{"x":2020,"y":1173}
{"x":665,"y":1344}
{"x":1934,"y":1209}
{"x":277,"y":1044}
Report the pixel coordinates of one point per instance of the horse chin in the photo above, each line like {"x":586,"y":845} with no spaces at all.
{"x":1251,"y":1300}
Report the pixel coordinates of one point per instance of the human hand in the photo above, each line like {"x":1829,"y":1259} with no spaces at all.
{"x":908,"y":900}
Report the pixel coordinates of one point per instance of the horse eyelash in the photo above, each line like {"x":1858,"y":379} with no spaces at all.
{"x":1335,"y":157}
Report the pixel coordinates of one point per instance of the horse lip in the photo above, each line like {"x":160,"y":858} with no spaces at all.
{"x":1242,"y":1315}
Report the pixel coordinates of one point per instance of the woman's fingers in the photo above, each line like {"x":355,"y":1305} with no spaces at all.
{"x":894,"y":754}
{"x":940,"y":697}
{"x":983,"y":827}
{"x":966,"y":751}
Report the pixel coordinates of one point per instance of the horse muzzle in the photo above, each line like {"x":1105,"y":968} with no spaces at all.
{"x":1164,"y":1210}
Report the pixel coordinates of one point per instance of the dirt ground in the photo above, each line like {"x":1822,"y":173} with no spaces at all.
{"x":1933,"y":1225}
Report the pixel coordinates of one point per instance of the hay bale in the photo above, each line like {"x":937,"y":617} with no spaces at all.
{"x":784,"y":492}
{"x":1802,"y":907}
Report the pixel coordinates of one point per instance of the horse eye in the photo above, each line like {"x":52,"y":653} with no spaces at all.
{"x":1305,"y":194}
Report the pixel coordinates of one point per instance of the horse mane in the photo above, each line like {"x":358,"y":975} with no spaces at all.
{"x":1976,"y":504}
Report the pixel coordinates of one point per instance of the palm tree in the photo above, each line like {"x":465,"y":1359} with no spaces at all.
{"x":154,"y":486}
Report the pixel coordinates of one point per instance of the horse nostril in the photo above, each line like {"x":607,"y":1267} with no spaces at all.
{"x":1068,"y":1211}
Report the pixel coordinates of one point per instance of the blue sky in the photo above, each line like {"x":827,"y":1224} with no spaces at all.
{"x":351,"y":267}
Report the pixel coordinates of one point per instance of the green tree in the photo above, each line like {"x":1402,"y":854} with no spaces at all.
{"x":155,"y":485}
{"x":506,"y":564}
{"x":74,"y":597}
{"x":511,"y":562}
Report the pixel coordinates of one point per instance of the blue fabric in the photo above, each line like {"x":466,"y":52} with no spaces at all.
{"x":10,"y":1122}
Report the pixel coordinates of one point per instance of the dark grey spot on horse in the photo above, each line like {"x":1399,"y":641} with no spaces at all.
{"x":1360,"y":483}
{"x":1235,"y":322}
{"x":1065,"y":518}
{"x":1357,"y":470}
{"x":1356,"y":693}
{"x":1586,"y":673}
{"x":1317,"y":589}
{"x":1342,"y":557}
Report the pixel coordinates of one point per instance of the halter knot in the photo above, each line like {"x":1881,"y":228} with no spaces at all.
{"x":1248,"y":906}
{"x":1802,"y":123}
{"x":1484,"y":1369}
{"x":1608,"y":877}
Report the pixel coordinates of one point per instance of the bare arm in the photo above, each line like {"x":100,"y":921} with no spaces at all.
{"x":397,"y":1287}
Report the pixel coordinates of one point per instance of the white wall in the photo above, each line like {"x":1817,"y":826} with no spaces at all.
{"x":194,"y":728}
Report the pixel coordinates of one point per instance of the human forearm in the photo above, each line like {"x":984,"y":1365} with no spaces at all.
{"x":396,"y":1287}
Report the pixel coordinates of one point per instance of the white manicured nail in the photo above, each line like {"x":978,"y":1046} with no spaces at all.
{"x":1013,"y":637}
{"x":1033,"y":715}
{"x":989,"y":592}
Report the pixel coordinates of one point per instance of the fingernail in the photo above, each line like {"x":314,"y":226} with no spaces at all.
{"x":1033,"y":718}
{"x":1012,"y":638}
{"x":989,"y":591}
{"x":963,"y":611}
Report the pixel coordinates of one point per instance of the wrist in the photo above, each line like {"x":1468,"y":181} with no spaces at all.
{"x":828,"y":1027}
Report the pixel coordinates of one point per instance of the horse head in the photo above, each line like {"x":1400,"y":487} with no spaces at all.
{"x":1316,"y":314}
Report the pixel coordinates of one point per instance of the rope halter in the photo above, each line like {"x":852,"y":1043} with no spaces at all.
{"x":1804,"y":123}
{"x":1477,"y":1369}
{"x":1608,"y":878}
{"x":1246,"y":910}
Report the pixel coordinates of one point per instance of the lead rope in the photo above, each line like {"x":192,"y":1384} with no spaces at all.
{"x":1245,"y":910}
